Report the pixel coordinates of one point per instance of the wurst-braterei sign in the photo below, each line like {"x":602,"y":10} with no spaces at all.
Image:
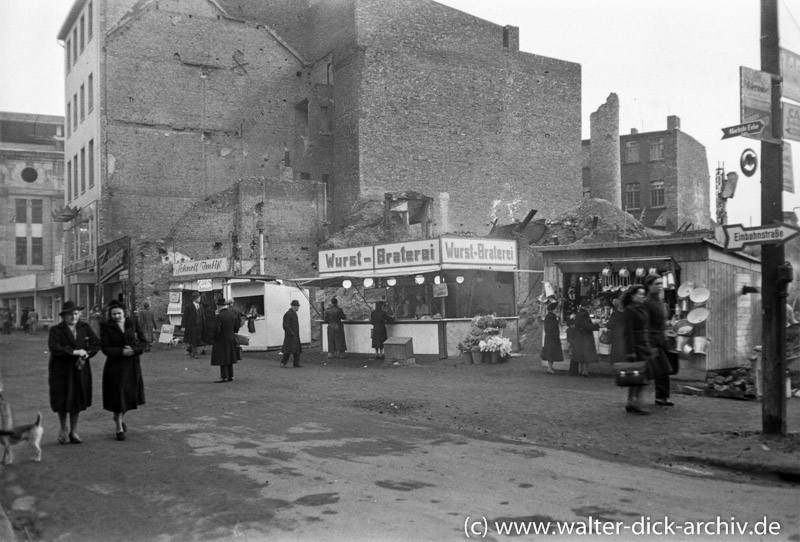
{"x":200,"y":267}
{"x":476,"y":253}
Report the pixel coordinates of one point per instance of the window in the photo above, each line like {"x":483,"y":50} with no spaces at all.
{"x":37,"y":251}
{"x":656,"y":149}
{"x":305,"y":176}
{"x":74,"y":112}
{"x":83,"y":102}
{"x":69,"y":117}
{"x":325,"y":120}
{"x":90,"y":92}
{"x":83,"y":170}
{"x":22,"y":251}
{"x":83,"y":33}
{"x":91,"y":163}
{"x":89,"y":19}
{"x":631,"y":152}
{"x":632,"y":196}
{"x":21,"y":211}
{"x":69,"y":181}
{"x":67,"y":55}
{"x":84,"y":238}
{"x":657,"y":194}
{"x":36,"y":211}
{"x":75,"y":175}
{"x":74,"y":45}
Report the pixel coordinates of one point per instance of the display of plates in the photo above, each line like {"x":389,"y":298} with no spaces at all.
{"x":699,"y":295}
{"x":685,"y":289}
{"x":697,"y":316}
{"x":683,"y":327}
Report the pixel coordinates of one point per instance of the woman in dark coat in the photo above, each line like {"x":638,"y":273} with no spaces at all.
{"x":123,"y":342}
{"x":637,"y":339}
{"x":551,"y":351}
{"x":71,"y":343}
{"x":336,"y":341}
{"x":223,"y":353}
{"x":378,"y":318}
{"x":584,"y":351}
{"x":616,"y":327}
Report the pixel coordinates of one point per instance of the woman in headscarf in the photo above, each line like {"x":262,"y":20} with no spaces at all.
{"x":336,"y":341}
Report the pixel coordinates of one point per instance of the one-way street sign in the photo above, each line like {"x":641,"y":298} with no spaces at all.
{"x":747,"y":128}
{"x":737,"y":236}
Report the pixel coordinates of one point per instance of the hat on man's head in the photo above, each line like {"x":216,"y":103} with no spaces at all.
{"x":195,"y":295}
{"x":69,"y":306}
{"x":295,"y":303}
{"x":334,"y":301}
{"x":650,"y":279}
{"x":229,"y":301}
{"x":221,"y":302}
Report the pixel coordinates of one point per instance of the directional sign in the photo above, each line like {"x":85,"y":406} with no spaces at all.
{"x":746,"y":129}
{"x":737,"y":236}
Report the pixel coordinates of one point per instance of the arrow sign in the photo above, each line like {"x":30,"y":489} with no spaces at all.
{"x":747,"y":128}
{"x":737,"y":236}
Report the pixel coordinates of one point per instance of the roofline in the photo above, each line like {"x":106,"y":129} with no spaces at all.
{"x":76,"y":8}
{"x":31,"y":117}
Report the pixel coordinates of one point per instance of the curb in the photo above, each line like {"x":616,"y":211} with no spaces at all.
{"x":6,"y":530}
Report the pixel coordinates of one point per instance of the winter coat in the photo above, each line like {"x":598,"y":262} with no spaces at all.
{"x":658,"y":340}
{"x":209,"y":324}
{"x":378,"y":318}
{"x":333,"y":317}
{"x":583,"y":346}
{"x":193,"y":324}
{"x":70,"y":388}
{"x":637,"y":335}
{"x":291,"y":333}
{"x":225,"y":327}
{"x":147,"y":323}
{"x":616,"y":327}
{"x":551,"y":351}
{"x":123,"y":386}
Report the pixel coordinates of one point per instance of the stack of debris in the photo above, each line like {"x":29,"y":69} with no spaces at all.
{"x":736,"y":383}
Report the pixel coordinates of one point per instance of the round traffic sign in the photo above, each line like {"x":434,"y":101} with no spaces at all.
{"x":749,"y":162}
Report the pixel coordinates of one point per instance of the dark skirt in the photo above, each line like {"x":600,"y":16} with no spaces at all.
{"x":123,"y":386}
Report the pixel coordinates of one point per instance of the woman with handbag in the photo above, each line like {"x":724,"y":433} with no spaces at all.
{"x":551,"y":350}
{"x":637,"y":345}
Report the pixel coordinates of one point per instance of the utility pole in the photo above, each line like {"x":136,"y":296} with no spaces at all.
{"x":773,"y":407}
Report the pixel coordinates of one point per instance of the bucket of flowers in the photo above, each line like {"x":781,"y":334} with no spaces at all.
{"x":498,"y":347}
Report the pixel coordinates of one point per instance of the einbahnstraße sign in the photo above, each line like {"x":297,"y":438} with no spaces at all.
{"x":737,"y":236}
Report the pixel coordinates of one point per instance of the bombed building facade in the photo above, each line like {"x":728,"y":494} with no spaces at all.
{"x":250,"y":130}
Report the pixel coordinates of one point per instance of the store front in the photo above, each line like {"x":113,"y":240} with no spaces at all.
{"x":114,"y":273}
{"x":32,"y":292}
{"x":205,"y":277}
{"x":432,"y":288}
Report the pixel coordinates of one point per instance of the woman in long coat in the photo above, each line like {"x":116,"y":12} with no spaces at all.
{"x":123,"y":387}
{"x":616,"y":326}
{"x":223,"y":353}
{"x":71,"y":344}
{"x":378,"y":318}
{"x":637,"y":339}
{"x":584,"y":350}
{"x":336,"y":341}
{"x":551,"y":351}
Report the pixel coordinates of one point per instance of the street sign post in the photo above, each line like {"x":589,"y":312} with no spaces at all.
{"x":755,"y":100}
{"x":737,"y":236}
{"x":745,"y":129}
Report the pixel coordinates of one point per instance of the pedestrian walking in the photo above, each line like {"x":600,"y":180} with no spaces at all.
{"x":616,"y":327}
{"x":654,"y":303}
{"x":291,"y":336}
{"x":33,"y":321}
{"x":378,"y":318}
{"x":223,"y":351}
{"x":193,"y":322}
{"x":24,"y":317}
{"x":72,"y":344}
{"x":96,"y":318}
{"x":334,"y":317}
{"x":209,"y":324}
{"x":551,"y":350}
{"x":147,"y":323}
{"x":239,"y":318}
{"x":584,"y":350}
{"x":123,"y":341}
{"x":5,"y":320}
{"x":637,"y":340}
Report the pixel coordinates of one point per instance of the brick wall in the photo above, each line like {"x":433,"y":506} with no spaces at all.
{"x":694,"y":182}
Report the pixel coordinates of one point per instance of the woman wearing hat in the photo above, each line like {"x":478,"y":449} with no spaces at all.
{"x":123,"y":341}
{"x":551,"y":350}
{"x":584,"y":351}
{"x":71,"y":343}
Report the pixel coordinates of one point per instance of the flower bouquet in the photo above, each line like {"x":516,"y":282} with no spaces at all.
{"x":499,"y":347}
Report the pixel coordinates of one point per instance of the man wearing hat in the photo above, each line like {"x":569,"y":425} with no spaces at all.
{"x":193,"y":323}
{"x":223,"y":353}
{"x":238,"y":319}
{"x":654,"y":305}
{"x":291,"y":335}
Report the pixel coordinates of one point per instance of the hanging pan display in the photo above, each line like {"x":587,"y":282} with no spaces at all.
{"x":682,"y":327}
{"x":685,"y":289}
{"x":699,"y":295}
{"x":697,"y":316}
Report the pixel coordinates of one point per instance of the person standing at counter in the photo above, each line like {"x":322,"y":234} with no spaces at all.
{"x":193,"y":323}
{"x":291,"y":336}
{"x":378,"y":318}
{"x":422,"y":308}
{"x":584,"y":351}
{"x":551,"y":351}
{"x":336,"y":341}
{"x":616,"y":326}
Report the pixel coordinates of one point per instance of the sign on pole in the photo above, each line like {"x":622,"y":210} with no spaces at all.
{"x":737,"y":236}
{"x":791,"y":121}
{"x":746,"y":129}
{"x":756,"y":100}
{"x":790,"y":70}
{"x":788,"y":170}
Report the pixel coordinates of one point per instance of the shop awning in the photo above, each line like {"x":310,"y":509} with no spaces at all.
{"x":596,"y":265}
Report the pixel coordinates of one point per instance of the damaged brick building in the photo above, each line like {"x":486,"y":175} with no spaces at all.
{"x":205,"y":125}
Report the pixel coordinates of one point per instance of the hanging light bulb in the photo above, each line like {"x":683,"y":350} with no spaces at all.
{"x":419,"y":279}
{"x":437,"y":279}
{"x":346,"y":283}
{"x":368,"y":282}
{"x":391,"y":281}
{"x":459,"y":279}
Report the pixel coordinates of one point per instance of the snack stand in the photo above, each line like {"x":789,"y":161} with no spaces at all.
{"x":454,"y":278}
{"x":712,"y":322}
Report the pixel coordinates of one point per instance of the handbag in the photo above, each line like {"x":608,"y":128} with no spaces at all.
{"x":631,"y":374}
{"x":605,"y":337}
{"x":240,"y":339}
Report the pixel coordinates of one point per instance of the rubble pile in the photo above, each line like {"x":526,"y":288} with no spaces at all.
{"x":738,"y":383}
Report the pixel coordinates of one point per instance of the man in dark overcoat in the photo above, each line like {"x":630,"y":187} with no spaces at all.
{"x":193,"y":323}
{"x":291,"y":335}
{"x":223,"y":353}
{"x":658,"y":340}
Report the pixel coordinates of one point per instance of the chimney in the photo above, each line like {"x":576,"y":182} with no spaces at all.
{"x":634,"y":131}
{"x":511,"y":38}
{"x":604,"y":152}
{"x":673,"y":123}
